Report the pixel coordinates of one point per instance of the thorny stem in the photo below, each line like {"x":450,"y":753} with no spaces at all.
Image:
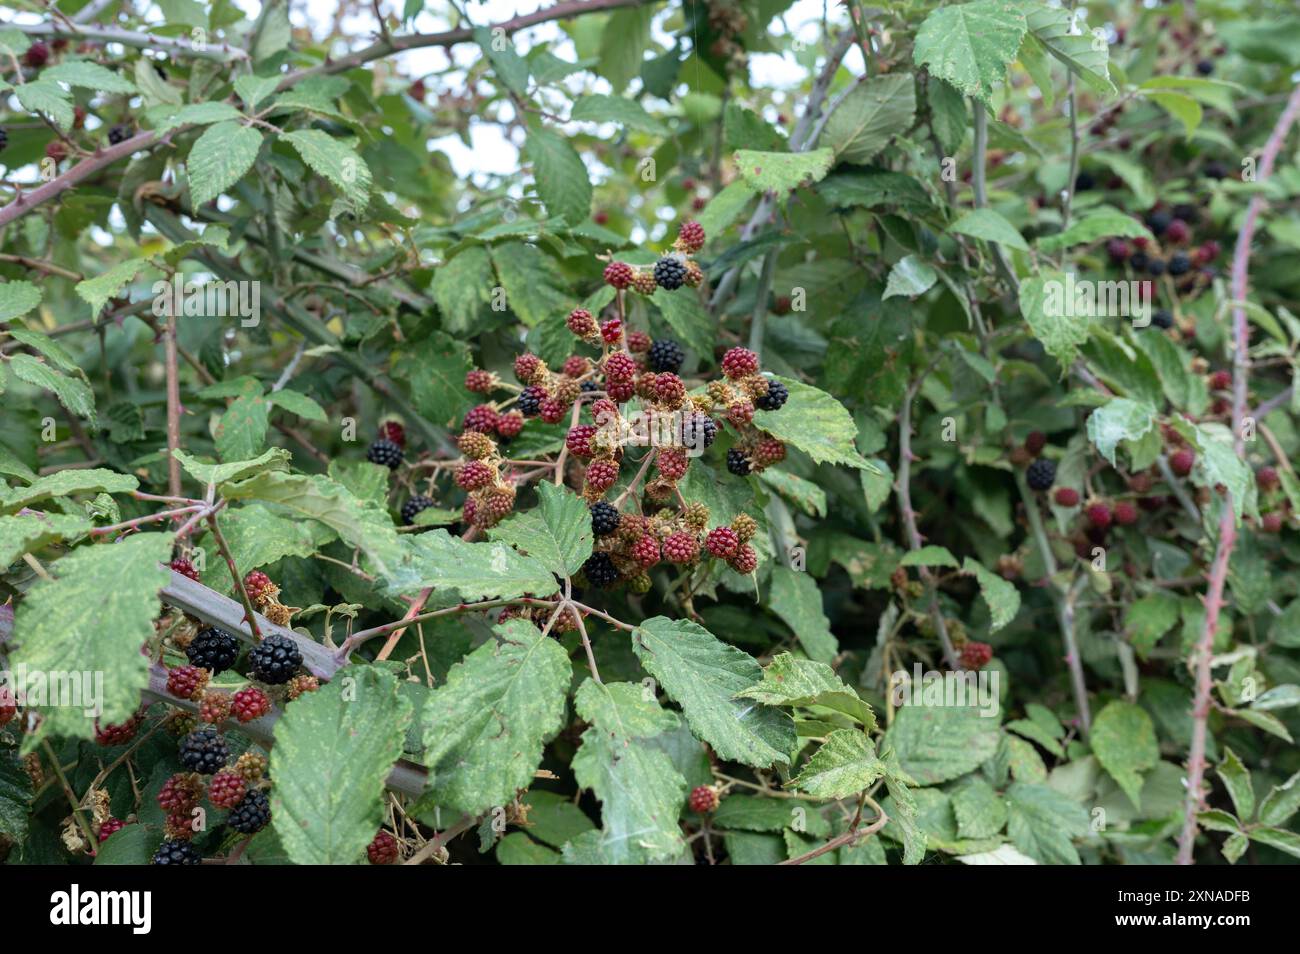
{"x":854,"y":834}
{"x":1228,"y":519}
{"x":234,"y":573}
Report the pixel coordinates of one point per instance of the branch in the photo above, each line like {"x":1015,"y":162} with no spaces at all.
{"x":1227,"y":520}
{"x":222,"y":53}
{"x":848,"y":838}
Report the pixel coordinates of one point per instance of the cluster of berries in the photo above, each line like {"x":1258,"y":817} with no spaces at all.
{"x":671,"y":272}
{"x":237,"y":787}
{"x":490,"y":496}
{"x":389,"y":447}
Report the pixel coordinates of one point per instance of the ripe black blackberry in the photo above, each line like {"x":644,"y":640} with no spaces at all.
{"x":697,"y":428}
{"x":670,"y":273}
{"x":413,"y":506}
{"x":1041,"y":474}
{"x":4,"y":138}
{"x":384,"y":452}
{"x":1139,"y":261}
{"x":119,"y":134}
{"x":1214,"y":169}
{"x":530,"y":400}
{"x":1156,"y":267}
{"x":1162,"y":318}
{"x":776,"y":396}
{"x":204,"y":751}
{"x":213,"y":649}
{"x":737,"y":462}
{"x":665,"y":355}
{"x":604,"y":518}
{"x":1084,"y":182}
{"x":251,"y":814}
{"x":275,"y":659}
{"x":1205,"y":67}
{"x":1158,"y":221}
{"x":1179,"y":263}
{"x":176,"y":853}
{"x":589,"y":386}
{"x":600,"y":570}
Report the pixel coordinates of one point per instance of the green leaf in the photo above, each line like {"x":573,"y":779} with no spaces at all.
{"x":200,"y":114}
{"x":782,"y":171}
{"x":844,"y":765}
{"x":990,"y":226}
{"x":277,"y":458}
{"x":938,"y":743}
{"x":693,"y":325}
{"x":337,"y":162}
{"x":870,"y":116}
{"x":1119,"y":419}
{"x":980,"y":812}
{"x":600,"y":108}
{"x":219,"y":159}
{"x":1103,"y":222}
{"x":17,"y":298}
{"x":154,"y":90}
{"x":360,"y":524}
{"x":253,"y":89}
{"x":640,"y":792}
{"x":1135,"y":175}
{"x":1000,"y":595}
{"x":49,"y":98}
{"x":462,"y":286}
{"x":797,"y":600}
{"x":534,"y":287}
{"x":1149,"y":618}
{"x":1217,"y":463}
{"x":93,"y":617}
{"x":623,"y":43}
{"x":724,"y":207}
{"x":297,"y":403}
{"x":73,"y":393}
{"x":15,"y":798}
{"x":1281,"y":802}
{"x":48,"y":347}
{"x":1042,"y":304}
{"x":485,"y":727}
{"x":753,"y":813}
{"x":259,"y":536}
{"x":703,"y":675}
{"x":903,"y":813}
{"x":929,"y":556}
{"x":1124,"y":741}
{"x":241,"y":431}
{"x":507,"y":65}
{"x":557,"y":533}
{"x":910,"y":276}
{"x":814,"y":422}
{"x":98,"y":291}
{"x":434,"y":369}
{"x":788,"y":681}
{"x":948,"y":114}
{"x":1236,"y":779}
{"x":333,"y":751}
{"x":804,"y":494}
{"x":1287,"y":842}
{"x":970,"y":44}
{"x":560,"y":175}
{"x":476,"y":571}
{"x":65,"y":483}
{"x":1082,"y":53}
{"x":29,"y":532}
{"x":1182,"y":108}
{"x":1041,"y":823}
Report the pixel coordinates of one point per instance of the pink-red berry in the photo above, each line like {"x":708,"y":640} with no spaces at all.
{"x":703,"y":799}
{"x":681,"y":547}
{"x":479,"y":381}
{"x":1099,"y":515}
{"x":1066,"y":497}
{"x":475,"y":475}
{"x":976,"y":655}
{"x":746,"y":559}
{"x":510,"y":424}
{"x":722,"y":542}
{"x":250,"y":703}
{"x":526,"y":366}
{"x":619,"y":275}
{"x":393,"y":431}
{"x":1266,"y":479}
{"x":184,"y":682}
{"x":183,"y":566}
{"x":1125,"y":514}
{"x":739,"y":363}
{"x":1182,"y":461}
{"x":638,"y":342}
{"x":602,"y":474}
{"x":581,"y":323}
{"x":620,"y":366}
{"x":226,"y":789}
{"x":611,"y":331}
{"x":109,"y":827}
{"x":672,"y":462}
{"x":579,"y":440}
{"x":691,"y":235}
{"x":383,"y":849}
{"x":646,"y":551}
{"x":482,"y":418}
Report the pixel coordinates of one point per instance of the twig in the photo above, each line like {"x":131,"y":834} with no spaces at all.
{"x":849,"y":837}
{"x":173,"y":406}
{"x":234,"y":573}
{"x":1227,"y":520}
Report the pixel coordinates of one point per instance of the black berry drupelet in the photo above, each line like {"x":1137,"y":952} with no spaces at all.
{"x":213,"y":649}
{"x":1179,"y":264}
{"x":204,"y":751}
{"x":600,"y":570}
{"x":119,"y":134}
{"x":1162,"y":318}
{"x":776,"y":396}
{"x":4,"y":138}
{"x":384,"y":452}
{"x":604,"y":518}
{"x":737,"y":462}
{"x":1041,"y":474}
{"x":414,"y":506}
{"x":665,"y":355}
{"x":530,"y":400}
{"x":697,"y":428}
{"x":275,"y":659}
{"x":1205,"y":67}
{"x":670,"y":273}
{"x":176,"y":853}
{"x":251,"y":814}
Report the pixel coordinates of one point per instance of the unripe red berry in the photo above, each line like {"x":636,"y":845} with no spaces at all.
{"x":226,"y":789}
{"x":681,"y":547}
{"x":740,"y":413}
{"x":581,"y":323}
{"x":1271,"y":522}
{"x":620,"y":390}
{"x":180,"y":793}
{"x":646,"y":551}
{"x":739,"y":363}
{"x":482,"y":418}
{"x":185,"y":682}
{"x":976,"y":655}
{"x":184,"y":567}
{"x":611,"y":332}
{"x":1117,"y":250}
{"x":669,"y":388}
{"x":746,"y":559}
{"x":602,"y":474}
{"x":1066,"y":497}
{"x":553,"y":410}
{"x":575,"y":366}
{"x":768,"y":452}
{"x":259,"y":587}
{"x":479,"y":381}
{"x":526,"y":366}
{"x":475,"y":475}
{"x":119,"y":734}
{"x":1035,"y":441}
{"x":109,"y":827}
{"x":1220,"y":380}
{"x":619,"y":366}
{"x":1182,"y":461}
{"x":1177,"y":232}
{"x":250,"y":703}
{"x":510,"y":424}
{"x":703,"y":799}
{"x":1266,"y":479}
{"x":579,"y":440}
{"x":722,"y":542}
{"x":672,"y":462}
{"x":619,"y":275}
{"x":1098,"y":515}
{"x":215,"y":707}
{"x":604,"y":411}
{"x":393,"y":431}
{"x":1125,"y":514}
{"x":383,"y":849}
{"x":691,"y":235}
{"x":638,"y":342}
